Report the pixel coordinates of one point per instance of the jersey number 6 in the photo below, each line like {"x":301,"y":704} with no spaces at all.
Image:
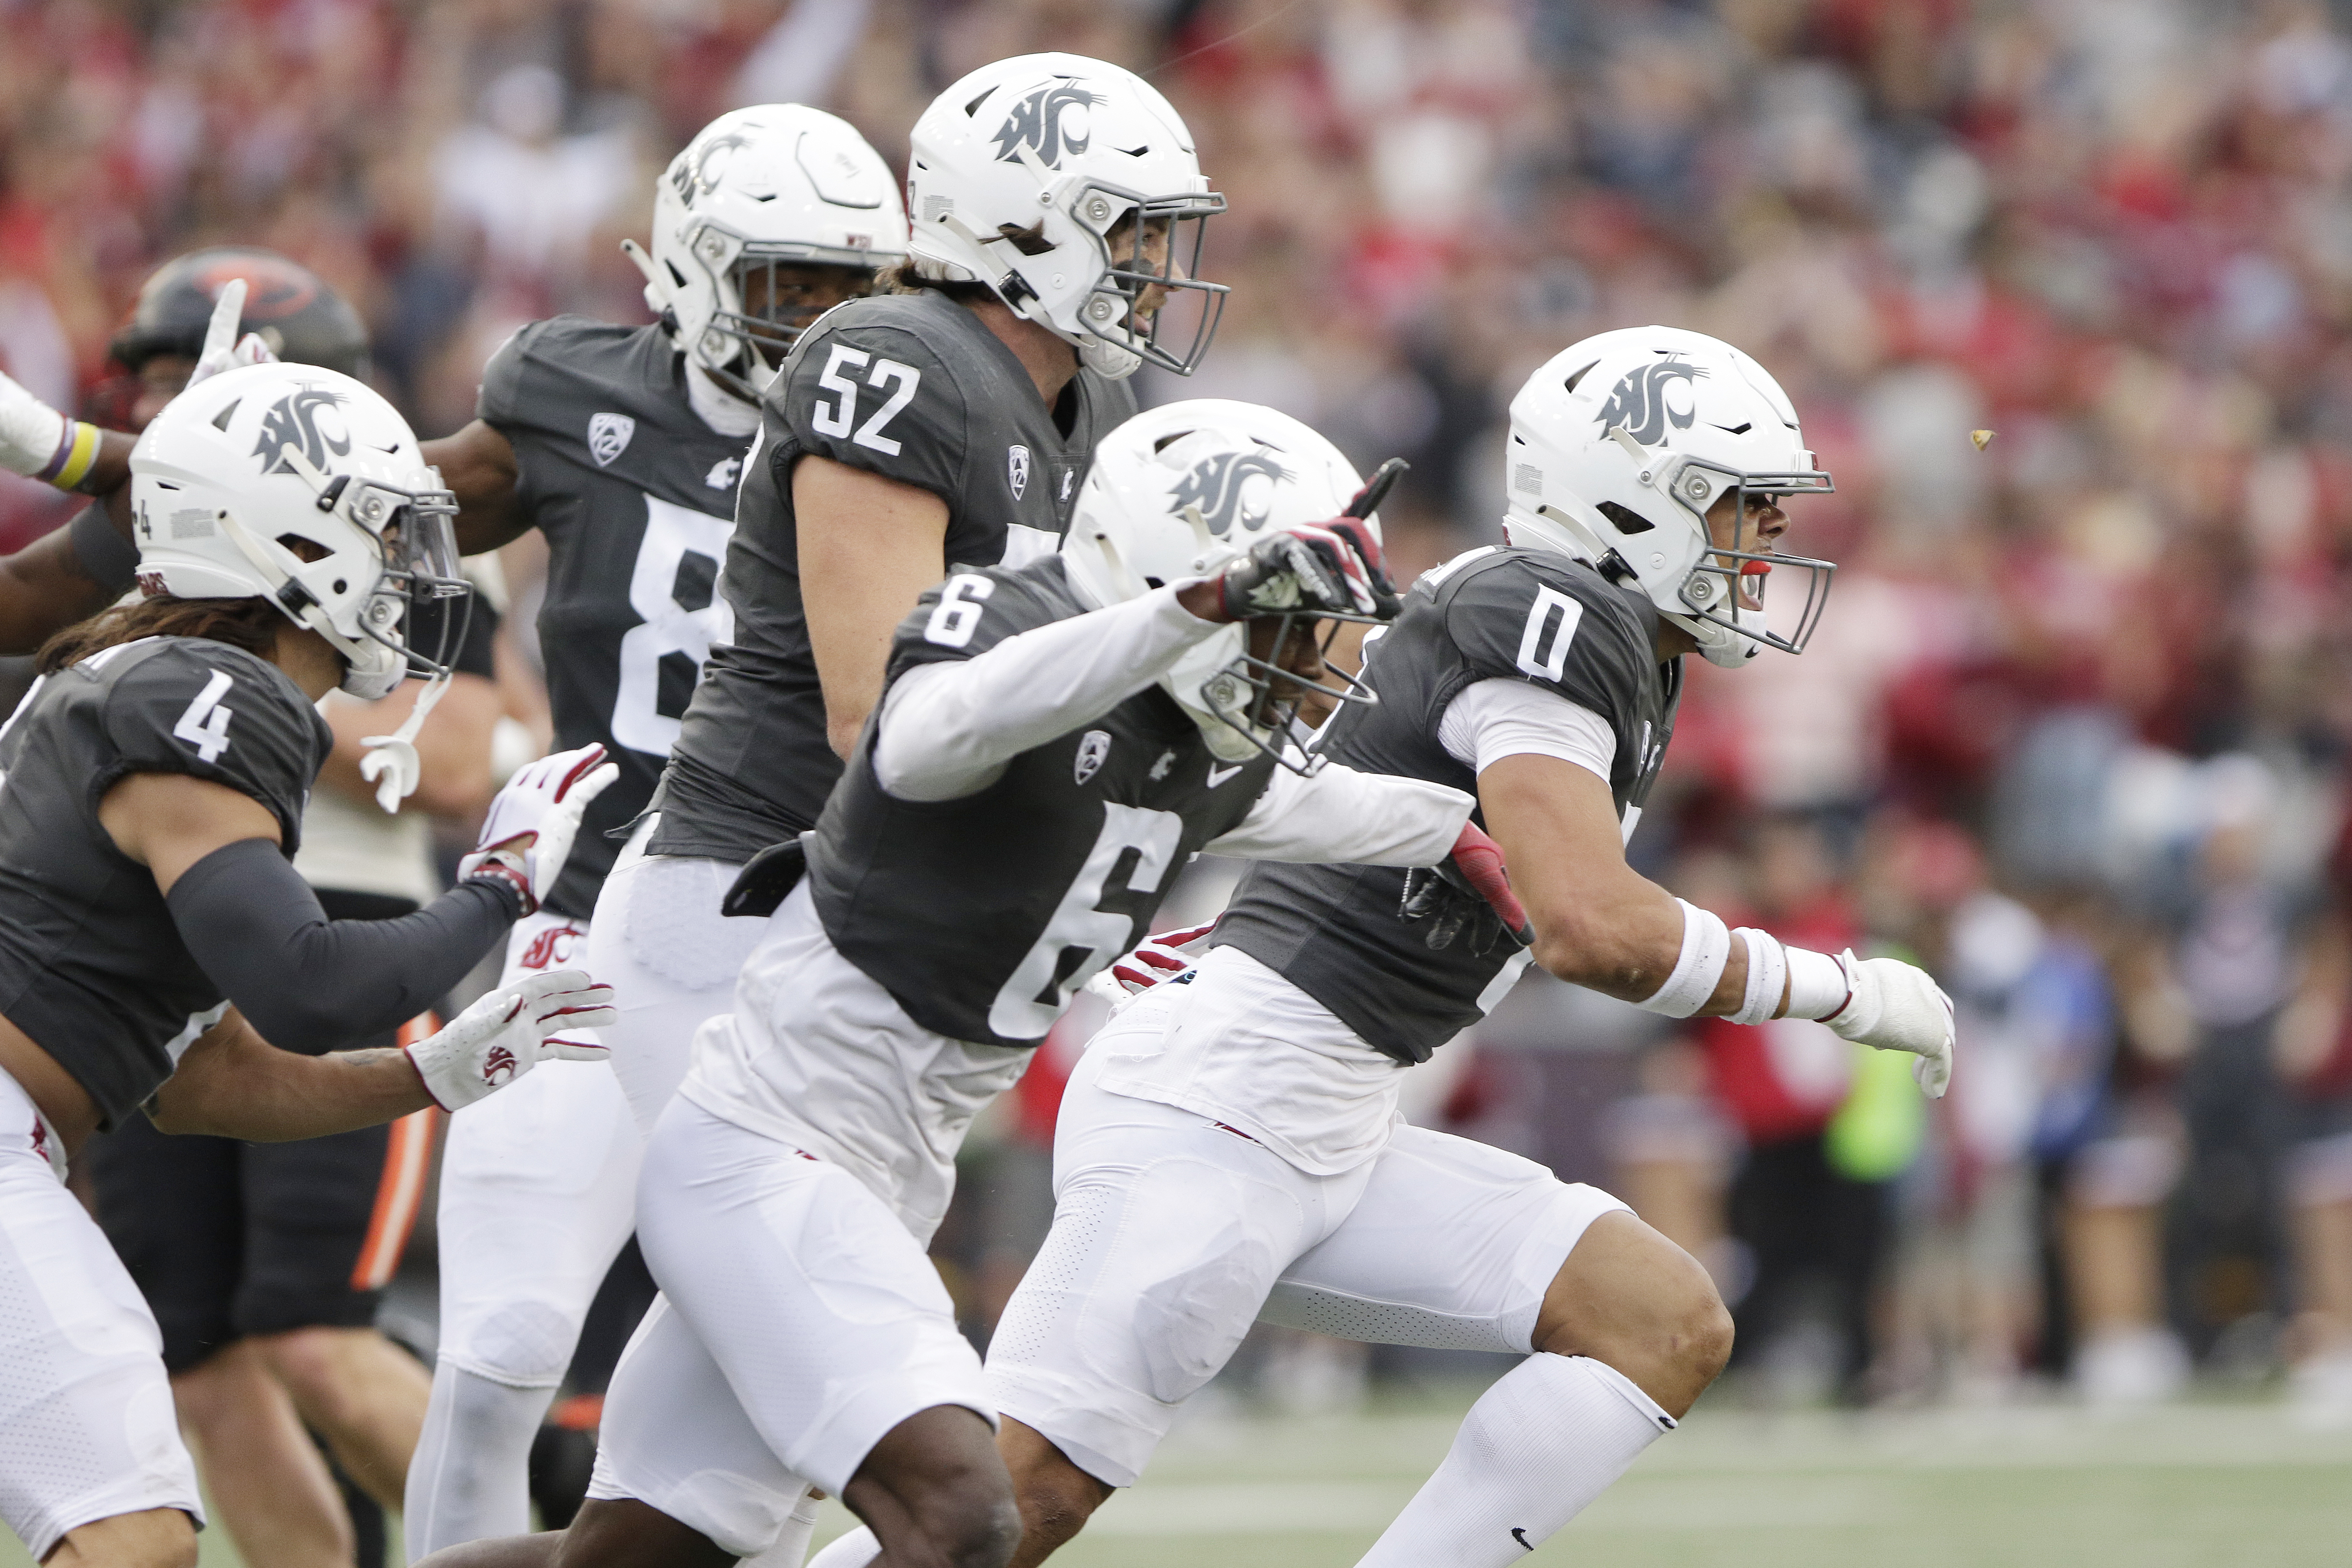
{"x":1129,"y":858}
{"x":835,"y":418}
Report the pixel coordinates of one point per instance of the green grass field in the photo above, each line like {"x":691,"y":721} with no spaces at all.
{"x":2189,"y":1487}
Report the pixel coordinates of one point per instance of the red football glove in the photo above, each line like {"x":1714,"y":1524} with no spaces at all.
{"x":1479,"y":859}
{"x":1160,"y":957}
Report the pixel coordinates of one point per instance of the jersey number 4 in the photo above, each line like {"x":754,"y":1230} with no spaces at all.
{"x":836,"y":417}
{"x":1094,"y":920}
{"x":204,"y":725}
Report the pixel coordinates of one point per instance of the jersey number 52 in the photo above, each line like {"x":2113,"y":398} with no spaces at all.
{"x":835,"y":418}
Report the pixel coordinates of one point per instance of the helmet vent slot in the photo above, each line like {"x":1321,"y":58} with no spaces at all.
{"x":1740,"y":429}
{"x":971,"y":110}
{"x":220,"y":420}
{"x":1580,"y":376}
{"x":1627,"y":519}
{"x":1167,"y":441}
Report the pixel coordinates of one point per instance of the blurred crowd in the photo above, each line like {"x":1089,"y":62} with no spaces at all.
{"x":2072,"y":732}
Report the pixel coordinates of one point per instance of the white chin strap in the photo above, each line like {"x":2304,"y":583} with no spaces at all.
{"x":1108,"y":360}
{"x":1719,"y":645}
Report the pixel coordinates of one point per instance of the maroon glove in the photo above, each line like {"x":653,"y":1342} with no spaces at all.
{"x":1160,"y":957}
{"x":1479,"y":859}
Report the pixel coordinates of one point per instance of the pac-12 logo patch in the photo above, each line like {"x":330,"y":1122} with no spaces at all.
{"x":1016,"y":468}
{"x":293,"y":421}
{"x":1094,"y":750}
{"x":608,"y":436}
{"x":1050,"y":122}
{"x":1649,"y":399}
{"x":1230,"y":486}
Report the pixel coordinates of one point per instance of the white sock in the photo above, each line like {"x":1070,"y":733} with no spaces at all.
{"x":1538,"y":1447}
{"x":854,"y":1550}
{"x":470,"y":1477}
{"x":792,"y":1547}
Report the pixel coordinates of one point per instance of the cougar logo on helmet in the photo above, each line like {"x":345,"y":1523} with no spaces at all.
{"x":1640,"y":402}
{"x":1220,"y":487}
{"x":693,"y":174}
{"x":293,"y":421}
{"x":1040,"y":122}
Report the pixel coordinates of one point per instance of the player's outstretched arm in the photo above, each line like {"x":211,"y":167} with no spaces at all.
{"x":1598,"y":923}
{"x":478,"y":465}
{"x":233,"y":1084}
{"x":868,"y":546}
{"x":1337,"y":814}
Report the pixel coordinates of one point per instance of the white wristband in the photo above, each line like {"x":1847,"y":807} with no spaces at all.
{"x":1706,"y":947}
{"x":1818,"y":986}
{"x":1768,"y":972}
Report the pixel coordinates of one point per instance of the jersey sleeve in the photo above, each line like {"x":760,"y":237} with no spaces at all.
{"x":501,"y":401}
{"x":1563,"y":632}
{"x":965,"y":616}
{"x":231,"y":721}
{"x":876,"y":397}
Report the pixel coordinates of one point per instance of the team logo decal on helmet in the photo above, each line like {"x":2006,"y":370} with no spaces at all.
{"x":1221,"y":488}
{"x":699,"y":174}
{"x":1649,"y":399}
{"x":1049,"y":123}
{"x":293,"y":421}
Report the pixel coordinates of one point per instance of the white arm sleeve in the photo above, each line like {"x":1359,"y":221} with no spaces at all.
{"x":949,"y":729}
{"x":1496,"y":718}
{"x":1340,"y":815}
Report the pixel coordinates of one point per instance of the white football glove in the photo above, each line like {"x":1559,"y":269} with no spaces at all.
{"x":508,"y":1033}
{"x":224,"y":350}
{"x":1895,"y":1006}
{"x":1157,"y":958}
{"x":30,"y":430}
{"x":528,"y":835}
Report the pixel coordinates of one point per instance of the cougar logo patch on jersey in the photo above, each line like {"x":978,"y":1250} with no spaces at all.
{"x":1094,"y":750}
{"x":1653,"y":397}
{"x":1228,"y":487}
{"x":293,"y":421}
{"x":1017,"y":470}
{"x":1050,"y":122}
{"x":608,"y":436}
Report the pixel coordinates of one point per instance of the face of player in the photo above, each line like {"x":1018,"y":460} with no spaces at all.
{"x":1295,"y":647}
{"x":1151,"y":257}
{"x":160,"y":379}
{"x":788,"y":296}
{"x":1757,"y":530}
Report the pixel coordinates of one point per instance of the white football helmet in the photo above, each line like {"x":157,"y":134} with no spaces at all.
{"x":1619,"y":446}
{"x":1018,"y":174}
{"x":301,"y":486}
{"x":777,"y":184}
{"x":1175,"y":493}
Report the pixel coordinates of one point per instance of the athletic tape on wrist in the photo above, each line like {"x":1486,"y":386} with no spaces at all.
{"x":77,"y":451}
{"x":1706,"y":947}
{"x":1818,"y":986}
{"x":1767,"y":973}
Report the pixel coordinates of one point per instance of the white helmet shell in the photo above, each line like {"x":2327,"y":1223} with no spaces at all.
{"x":1018,"y":174}
{"x":1175,"y":493}
{"x":248,"y":472}
{"x":774,"y":184}
{"x":1621,"y":443}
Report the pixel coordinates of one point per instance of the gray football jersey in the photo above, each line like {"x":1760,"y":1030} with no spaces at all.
{"x":983,"y":916}
{"x":913,"y":387}
{"x":636,"y":496}
{"x":1336,"y":932}
{"x":91,"y":966}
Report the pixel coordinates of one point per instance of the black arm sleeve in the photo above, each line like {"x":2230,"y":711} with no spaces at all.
{"x":308,"y":983}
{"x":107,"y":558}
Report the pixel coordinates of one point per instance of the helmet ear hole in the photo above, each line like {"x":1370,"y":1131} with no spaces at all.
{"x":1627,"y":519}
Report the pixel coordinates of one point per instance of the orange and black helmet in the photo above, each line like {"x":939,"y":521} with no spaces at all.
{"x":303,"y":321}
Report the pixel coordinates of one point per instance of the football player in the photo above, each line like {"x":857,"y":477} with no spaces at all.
{"x":949,"y":420}
{"x":623,"y":446}
{"x":1055,"y":742}
{"x":153,"y":934}
{"x":1229,"y":1150}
